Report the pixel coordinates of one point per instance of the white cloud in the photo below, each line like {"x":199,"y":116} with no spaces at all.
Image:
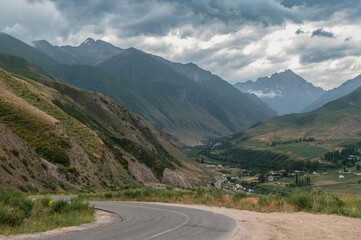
{"x":238,"y":40}
{"x":261,"y":94}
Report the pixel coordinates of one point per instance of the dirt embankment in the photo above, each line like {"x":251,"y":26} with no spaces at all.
{"x":282,"y":226}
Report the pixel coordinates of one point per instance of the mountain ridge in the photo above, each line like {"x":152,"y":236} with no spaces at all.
{"x":286,"y":92}
{"x":203,"y":121}
{"x":338,"y":92}
{"x":87,"y":131}
{"x":89,"y":52}
{"x":288,"y":141}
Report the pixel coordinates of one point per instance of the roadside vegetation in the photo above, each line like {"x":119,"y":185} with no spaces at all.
{"x":19,"y":214}
{"x":317,"y":202}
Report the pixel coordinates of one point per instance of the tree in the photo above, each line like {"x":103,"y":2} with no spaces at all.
{"x":262,"y":178}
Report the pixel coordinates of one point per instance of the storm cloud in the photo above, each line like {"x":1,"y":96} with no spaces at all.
{"x":236,"y":39}
{"x":321,"y":33}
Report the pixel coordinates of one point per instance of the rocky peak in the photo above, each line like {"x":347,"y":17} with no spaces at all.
{"x":88,"y":42}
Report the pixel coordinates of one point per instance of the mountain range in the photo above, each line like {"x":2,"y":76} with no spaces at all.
{"x":285,"y":92}
{"x":90,"y":52}
{"x":188,"y":109}
{"x":181,"y":100}
{"x":56,"y":136}
{"x":346,"y":88}
{"x":289,"y":140}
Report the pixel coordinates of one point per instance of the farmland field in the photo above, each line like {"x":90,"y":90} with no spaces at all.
{"x":302,"y":149}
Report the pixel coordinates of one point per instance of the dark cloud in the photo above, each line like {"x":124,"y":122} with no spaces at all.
{"x":321,"y":3}
{"x":323,"y":52}
{"x":157,"y":17}
{"x":321,"y":33}
{"x":299,"y":31}
{"x":268,"y":12}
{"x":239,"y":39}
{"x":315,"y":10}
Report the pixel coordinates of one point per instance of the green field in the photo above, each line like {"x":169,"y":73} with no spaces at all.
{"x":303,"y":150}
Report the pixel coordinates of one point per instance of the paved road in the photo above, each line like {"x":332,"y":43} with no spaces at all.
{"x":156,"y":221}
{"x":218,"y":184}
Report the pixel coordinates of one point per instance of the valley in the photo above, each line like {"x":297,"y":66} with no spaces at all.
{"x":111,"y":124}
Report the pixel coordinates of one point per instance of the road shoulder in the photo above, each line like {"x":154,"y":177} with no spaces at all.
{"x":102,"y":218}
{"x":281,"y":225}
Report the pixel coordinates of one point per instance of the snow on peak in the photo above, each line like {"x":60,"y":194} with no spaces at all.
{"x":88,"y":42}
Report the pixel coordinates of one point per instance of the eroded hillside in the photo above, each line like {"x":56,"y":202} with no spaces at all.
{"x":56,"y":135}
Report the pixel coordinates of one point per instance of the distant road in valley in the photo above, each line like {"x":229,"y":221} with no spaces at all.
{"x":218,"y":184}
{"x":145,"y":221}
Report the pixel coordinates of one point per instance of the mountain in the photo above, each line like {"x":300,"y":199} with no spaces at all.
{"x":346,"y":88}
{"x":281,"y":141}
{"x":214,"y":82}
{"x":90,"y":52}
{"x":187,"y":109}
{"x":56,"y":136}
{"x":286,"y":92}
{"x":15,"y":47}
{"x":233,"y":111}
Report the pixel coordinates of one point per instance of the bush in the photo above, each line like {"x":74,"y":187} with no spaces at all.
{"x":25,"y":178}
{"x":25,"y":162}
{"x":44,"y":165}
{"x":11,"y":217}
{"x":301,"y":201}
{"x":59,"y":205}
{"x":15,"y":152}
{"x":77,"y":205}
{"x":32,"y":188}
{"x":12,"y":166}
{"x":3,"y":158}
{"x":23,"y":188}
{"x":108,"y":195}
{"x":6,"y":169}
{"x":16,"y":200}
{"x":45,"y":201}
{"x":53,"y":153}
{"x":238,"y":196}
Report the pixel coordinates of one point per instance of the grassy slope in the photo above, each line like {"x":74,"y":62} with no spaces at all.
{"x":334,"y":125}
{"x":19,"y":214}
{"x":336,"y":121}
{"x":90,"y":120}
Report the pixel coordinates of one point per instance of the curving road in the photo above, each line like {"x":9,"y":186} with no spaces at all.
{"x":156,"y":221}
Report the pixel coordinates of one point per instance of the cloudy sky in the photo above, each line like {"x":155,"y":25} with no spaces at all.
{"x":238,"y":40}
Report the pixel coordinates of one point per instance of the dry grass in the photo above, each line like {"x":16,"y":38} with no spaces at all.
{"x":349,"y":206}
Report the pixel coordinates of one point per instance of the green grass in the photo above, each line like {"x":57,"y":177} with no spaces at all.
{"x":303,"y":150}
{"x":37,"y":134}
{"x":18,"y":214}
{"x":316,"y":202}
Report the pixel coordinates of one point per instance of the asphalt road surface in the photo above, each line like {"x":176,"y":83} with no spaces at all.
{"x":156,"y":221}
{"x":218,"y":184}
